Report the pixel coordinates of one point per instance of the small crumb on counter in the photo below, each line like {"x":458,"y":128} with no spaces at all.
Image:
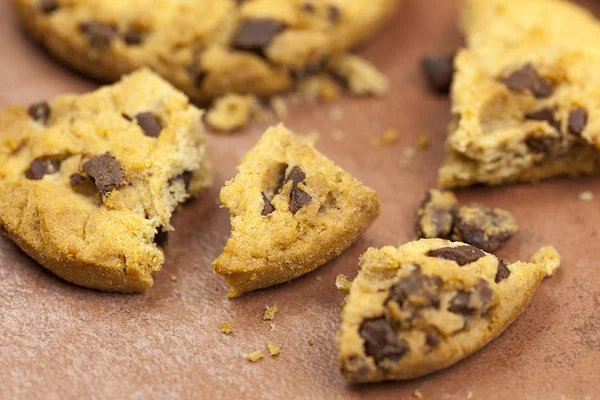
{"x":319,"y":87}
{"x":270,"y":312}
{"x":230,"y":112}
{"x":362,"y":77}
{"x":279,"y":107}
{"x":586,"y":196}
{"x":226,"y":329}
{"x":548,"y":258}
{"x":469,"y":395}
{"x":173,"y":278}
{"x":254,"y":356}
{"x":337,"y":113}
{"x":318,"y":278}
{"x":423,"y":142}
{"x":149,"y":337}
{"x":310,"y":342}
{"x":343,"y":284}
{"x":337,"y":135}
{"x":273,"y":327}
{"x":274,"y":349}
{"x":242,"y":389}
{"x":417,"y":394}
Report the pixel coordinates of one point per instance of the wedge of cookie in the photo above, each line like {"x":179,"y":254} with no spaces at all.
{"x":292,"y":210}
{"x":205,"y":48}
{"x":428,"y":304}
{"x":525,"y":94}
{"x":91,"y":181}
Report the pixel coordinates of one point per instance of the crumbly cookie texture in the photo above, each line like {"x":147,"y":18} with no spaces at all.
{"x":94,"y":178}
{"x":206,"y":48}
{"x":426,"y":305}
{"x":439,"y":216}
{"x":292,"y":210}
{"x":231,"y":112}
{"x":525,"y":94}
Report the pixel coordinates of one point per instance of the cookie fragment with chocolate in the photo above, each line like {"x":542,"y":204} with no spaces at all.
{"x":292,"y":210}
{"x":428,"y":304}
{"x":522,"y":105}
{"x":483,"y":227}
{"x":97,"y":177}
{"x":435,"y":215}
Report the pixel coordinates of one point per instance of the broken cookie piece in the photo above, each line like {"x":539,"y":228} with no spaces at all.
{"x":94,"y":179}
{"x":439,"y":216}
{"x":231,"y":112}
{"x":523,"y":94}
{"x":292,"y":210}
{"x":426,"y":305}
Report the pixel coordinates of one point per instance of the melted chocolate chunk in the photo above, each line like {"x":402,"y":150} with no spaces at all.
{"x":432,"y":340}
{"x":267,"y":207}
{"x":296,"y":176}
{"x":460,"y":304}
{"x":48,"y":6}
{"x":186,"y":177}
{"x":40,"y":112}
{"x":544,"y":114}
{"x":106,"y":172}
{"x":77,"y":179}
{"x":528,"y":79}
{"x":41,"y":167}
{"x":334,"y":14}
{"x":99,"y":34}
{"x":439,"y":71}
{"x":463,"y":255}
{"x":381,"y":342}
{"x":502,"y":272}
{"x":485,"y":228}
{"x":161,"y":238}
{"x":578,"y":119}
{"x":418,"y":289}
{"x":544,"y":144}
{"x":134,"y":37}
{"x":435,"y":217}
{"x":299,"y":199}
{"x":255,"y":35}
{"x":309,"y":8}
{"x":149,"y":123}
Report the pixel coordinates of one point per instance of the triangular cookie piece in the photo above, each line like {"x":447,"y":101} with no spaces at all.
{"x":525,"y":96}
{"x":428,"y":304}
{"x":90,"y":181}
{"x":292,"y":210}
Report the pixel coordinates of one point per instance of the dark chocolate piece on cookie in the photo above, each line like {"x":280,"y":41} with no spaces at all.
{"x":41,"y":167}
{"x":544,"y":114}
{"x":528,"y":79}
{"x":149,"y":123}
{"x":268,"y":207}
{"x":106,"y":172}
{"x":483,"y":227}
{"x":40,"y":112}
{"x":134,"y":37}
{"x":255,"y":35}
{"x":502,"y":273}
{"x":299,"y":199}
{"x":381,"y":342}
{"x":578,"y":118}
{"x":48,"y":6}
{"x":463,"y":255}
{"x":439,"y":71}
{"x":99,"y":35}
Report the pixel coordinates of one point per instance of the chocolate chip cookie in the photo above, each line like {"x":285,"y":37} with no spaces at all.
{"x":292,"y":210}
{"x":205,"y":48}
{"x":524,"y":94}
{"x":428,"y":304}
{"x":91,"y":181}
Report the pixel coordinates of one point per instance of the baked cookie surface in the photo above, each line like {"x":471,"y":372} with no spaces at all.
{"x":205,"y":48}
{"x":292,"y":210}
{"x":428,"y":304}
{"x":525,"y":94}
{"x":94,"y":178}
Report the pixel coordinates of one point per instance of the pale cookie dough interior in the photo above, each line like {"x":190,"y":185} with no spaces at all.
{"x":93,"y":179}
{"x":525,"y":96}
{"x":426,"y":305}
{"x":292,"y":210}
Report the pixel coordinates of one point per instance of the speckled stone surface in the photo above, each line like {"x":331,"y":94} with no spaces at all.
{"x":60,"y":341}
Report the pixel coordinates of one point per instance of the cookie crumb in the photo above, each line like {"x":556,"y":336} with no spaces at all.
{"x":270,"y":312}
{"x":230,"y":112}
{"x":409,"y":153}
{"x":417,"y":394}
{"x":548,"y":258}
{"x":343,"y":284}
{"x":273,"y":327}
{"x":362,"y":77}
{"x":586,"y":196}
{"x":279,"y":107}
{"x":337,"y":135}
{"x":337,"y":113}
{"x":319,"y":279}
{"x":242,"y":389}
{"x":319,"y":87}
{"x":254,"y":356}
{"x":149,"y":337}
{"x":274,"y":349}
{"x":226,"y":329}
{"x":469,"y":395}
{"x":423,"y":142}
{"x":173,"y":278}
{"x":310,"y":342}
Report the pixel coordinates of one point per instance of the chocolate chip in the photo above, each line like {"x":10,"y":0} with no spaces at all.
{"x":578,"y":118}
{"x":299,"y":199}
{"x":420,"y":290}
{"x":460,"y":303}
{"x":99,"y":34}
{"x":77,"y":179}
{"x":186,"y":177}
{"x":161,"y":238}
{"x":134,"y":37}
{"x":435,"y":215}
{"x":42,"y":166}
{"x":149,"y":123}
{"x":127,"y":117}
{"x":309,"y":8}
{"x":485,"y":228}
{"x":196,"y":74}
{"x":502,"y":272}
{"x":334,"y":14}
{"x":544,"y":114}
{"x":439,"y":71}
{"x":528,"y":79}
{"x":381,"y":342}
{"x":48,"y":6}
{"x":256,"y":34}
{"x":40,"y":112}
{"x":296,"y":175}
{"x":267,"y":207}
{"x":543,"y":144}
{"x":106,"y":172}
{"x":463,"y":255}
{"x":483,"y":292}
{"x":432,"y":340}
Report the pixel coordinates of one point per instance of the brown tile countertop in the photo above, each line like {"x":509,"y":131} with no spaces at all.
{"x":60,"y":341}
